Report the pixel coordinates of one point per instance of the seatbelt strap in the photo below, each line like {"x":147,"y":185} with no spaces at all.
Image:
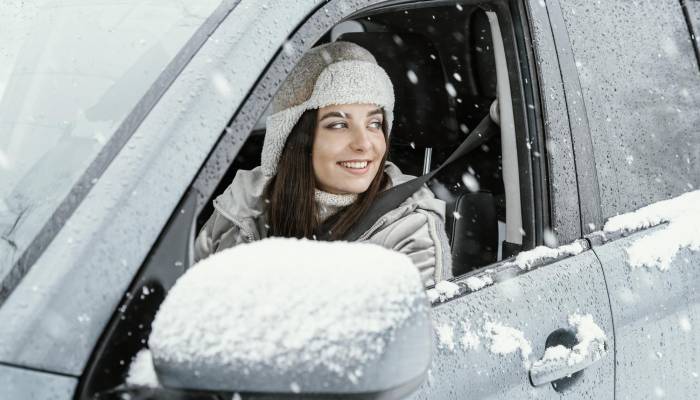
{"x":393,"y":197}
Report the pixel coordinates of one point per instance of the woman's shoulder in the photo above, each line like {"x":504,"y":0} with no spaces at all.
{"x":423,"y":198}
{"x":244,"y":196}
{"x":395,"y":174}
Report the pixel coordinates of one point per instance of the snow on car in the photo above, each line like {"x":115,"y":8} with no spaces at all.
{"x":245,"y":316}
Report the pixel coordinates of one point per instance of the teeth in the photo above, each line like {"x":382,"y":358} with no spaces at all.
{"x":355,"y":164}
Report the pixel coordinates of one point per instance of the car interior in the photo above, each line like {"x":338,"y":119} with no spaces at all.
{"x":442,"y":62}
{"x":444,"y":78}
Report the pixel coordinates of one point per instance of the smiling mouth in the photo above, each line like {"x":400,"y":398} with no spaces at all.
{"x":359,"y":165}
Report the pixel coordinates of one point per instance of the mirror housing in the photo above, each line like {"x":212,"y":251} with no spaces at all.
{"x":291,"y":317}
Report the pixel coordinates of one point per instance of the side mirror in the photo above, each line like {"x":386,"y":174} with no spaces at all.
{"x":294,"y":318}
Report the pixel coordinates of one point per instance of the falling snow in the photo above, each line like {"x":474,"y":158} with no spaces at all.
{"x":412,"y":76}
{"x":470,"y":182}
{"x":550,"y":239}
{"x":451,"y":90}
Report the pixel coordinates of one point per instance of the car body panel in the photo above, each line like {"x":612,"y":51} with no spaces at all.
{"x":536,"y":303}
{"x":641,"y":85}
{"x":655,"y":313}
{"x":21,"y":384}
{"x":61,"y":307}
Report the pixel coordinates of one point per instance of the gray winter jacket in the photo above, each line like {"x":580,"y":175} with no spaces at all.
{"x":415,"y":228}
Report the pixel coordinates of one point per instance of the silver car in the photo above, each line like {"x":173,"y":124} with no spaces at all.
{"x":120,"y":121}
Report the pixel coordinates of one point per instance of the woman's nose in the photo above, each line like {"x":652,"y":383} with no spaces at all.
{"x":361,"y":140}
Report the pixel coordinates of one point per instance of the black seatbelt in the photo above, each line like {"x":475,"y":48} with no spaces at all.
{"x":393,"y":197}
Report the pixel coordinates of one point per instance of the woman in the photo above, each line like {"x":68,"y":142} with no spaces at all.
{"x":324,"y":163}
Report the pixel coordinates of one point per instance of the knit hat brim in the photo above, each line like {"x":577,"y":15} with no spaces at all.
{"x":343,"y":82}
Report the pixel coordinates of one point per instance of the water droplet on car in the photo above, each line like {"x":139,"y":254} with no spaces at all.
{"x":288,"y":48}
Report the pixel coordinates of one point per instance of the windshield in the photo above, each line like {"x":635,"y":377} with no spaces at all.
{"x":70,"y":72}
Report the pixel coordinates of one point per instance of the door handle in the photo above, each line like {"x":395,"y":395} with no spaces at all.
{"x":560,"y":361}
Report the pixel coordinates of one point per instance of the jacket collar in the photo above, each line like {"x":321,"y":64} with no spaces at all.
{"x":243,"y":202}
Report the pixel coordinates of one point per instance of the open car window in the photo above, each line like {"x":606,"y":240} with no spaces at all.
{"x":443,"y":67}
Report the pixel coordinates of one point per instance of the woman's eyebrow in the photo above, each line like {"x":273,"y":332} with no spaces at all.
{"x":375,"y":111}
{"x":339,"y":114}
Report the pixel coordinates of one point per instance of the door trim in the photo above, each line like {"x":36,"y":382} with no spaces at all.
{"x":584,"y":160}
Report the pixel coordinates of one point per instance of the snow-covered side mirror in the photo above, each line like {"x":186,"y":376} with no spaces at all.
{"x":289,"y":316}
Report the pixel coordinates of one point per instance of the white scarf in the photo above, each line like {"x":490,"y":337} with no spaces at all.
{"x":329,"y":203}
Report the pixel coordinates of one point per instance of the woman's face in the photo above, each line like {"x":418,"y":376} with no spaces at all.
{"x":348,"y":147}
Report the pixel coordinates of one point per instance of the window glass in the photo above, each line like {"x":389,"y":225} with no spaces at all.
{"x":641,"y":89}
{"x":70,"y":72}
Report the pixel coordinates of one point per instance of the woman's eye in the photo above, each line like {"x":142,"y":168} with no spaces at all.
{"x":337,"y":125}
{"x":376,"y":124}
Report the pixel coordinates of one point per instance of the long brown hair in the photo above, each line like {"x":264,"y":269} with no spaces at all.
{"x":292,"y":210}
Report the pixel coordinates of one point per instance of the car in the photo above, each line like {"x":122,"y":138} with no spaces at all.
{"x":121,"y":121}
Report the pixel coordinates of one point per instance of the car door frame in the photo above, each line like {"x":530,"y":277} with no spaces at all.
{"x":589,"y":203}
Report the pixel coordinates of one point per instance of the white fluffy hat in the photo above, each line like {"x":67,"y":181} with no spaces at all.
{"x":330,"y":74}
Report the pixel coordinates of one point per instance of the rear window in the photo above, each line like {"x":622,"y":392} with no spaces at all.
{"x":70,"y":72}
{"x":641,"y":88}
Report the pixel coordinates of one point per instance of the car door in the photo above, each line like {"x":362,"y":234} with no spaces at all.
{"x":491,"y":334}
{"x":640,"y":82}
{"x":489,"y":338}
